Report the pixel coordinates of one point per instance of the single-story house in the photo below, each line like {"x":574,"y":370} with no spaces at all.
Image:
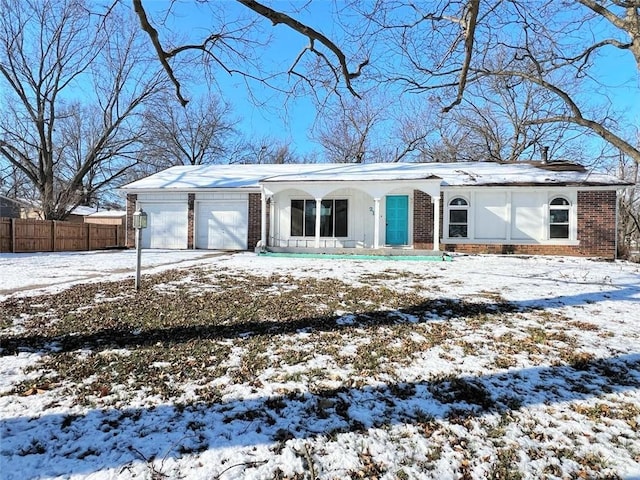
{"x":479,"y":207}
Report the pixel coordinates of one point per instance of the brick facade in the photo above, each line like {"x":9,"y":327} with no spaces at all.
{"x":254,"y":233}
{"x":422,"y":220}
{"x":191,"y":200}
{"x":597,"y":223}
{"x":130,"y":235}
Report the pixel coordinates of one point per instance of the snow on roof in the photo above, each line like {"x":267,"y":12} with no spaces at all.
{"x":108,"y":213}
{"x":451,"y":174}
{"x":83,"y":211}
{"x":212,"y":176}
{"x":21,"y":201}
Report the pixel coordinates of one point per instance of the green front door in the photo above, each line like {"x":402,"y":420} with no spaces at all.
{"x":397,"y":232}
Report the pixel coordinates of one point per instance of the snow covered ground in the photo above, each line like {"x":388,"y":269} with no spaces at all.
{"x":243,"y":366}
{"x":50,"y":272}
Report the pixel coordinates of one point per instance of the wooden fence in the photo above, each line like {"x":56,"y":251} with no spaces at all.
{"x":26,"y":235}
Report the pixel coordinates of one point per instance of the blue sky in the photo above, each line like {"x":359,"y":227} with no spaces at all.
{"x":291,"y":119}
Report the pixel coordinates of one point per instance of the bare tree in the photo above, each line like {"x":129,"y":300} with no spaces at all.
{"x":73,"y":84}
{"x":629,"y":207}
{"x":370,"y":129}
{"x":229,"y":43}
{"x":265,"y":150}
{"x":346,"y":131}
{"x":196,"y":134}
{"x":494,"y":124}
{"x":448,"y":45}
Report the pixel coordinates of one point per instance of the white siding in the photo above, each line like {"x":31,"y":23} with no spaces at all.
{"x":528,"y":213}
{"x":518,"y":215}
{"x":360,"y":220}
{"x":490,"y":220}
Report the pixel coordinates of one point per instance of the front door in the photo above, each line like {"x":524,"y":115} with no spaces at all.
{"x":397,"y":232}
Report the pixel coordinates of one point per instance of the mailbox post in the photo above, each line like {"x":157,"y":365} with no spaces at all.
{"x":139,"y":222}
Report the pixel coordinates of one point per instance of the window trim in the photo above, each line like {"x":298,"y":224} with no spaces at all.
{"x":457,"y":208}
{"x":567,"y":206}
{"x":309,"y":222}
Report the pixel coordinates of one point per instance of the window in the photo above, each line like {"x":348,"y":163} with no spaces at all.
{"x":333,"y":218}
{"x":559,"y":218}
{"x":458,"y":218}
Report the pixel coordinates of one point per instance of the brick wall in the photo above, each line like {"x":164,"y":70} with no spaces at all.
{"x":191,"y":200}
{"x":253,"y":236}
{"x":507,"y":249}
{"x":130,"y":240}
{"x":422,"y":220}
{"x":597,"y":223}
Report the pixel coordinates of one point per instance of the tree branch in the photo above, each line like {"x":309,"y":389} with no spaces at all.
{"x":162,"y":55}
{"x":605,"y":12}
{"x":313,"y":35}
{"x":470,"y":29}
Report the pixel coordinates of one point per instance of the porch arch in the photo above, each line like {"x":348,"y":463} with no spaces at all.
{"x":374,"y":189}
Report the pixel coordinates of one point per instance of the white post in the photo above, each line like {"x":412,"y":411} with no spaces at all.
{"x":436,"y":222}
{"x":376,"y":223}
{"x":138,"y":256}
{"x":263,"y":219}
{"x":318,"y":213}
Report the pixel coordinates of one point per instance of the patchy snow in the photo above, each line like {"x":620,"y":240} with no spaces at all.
{"x":554,"y":420}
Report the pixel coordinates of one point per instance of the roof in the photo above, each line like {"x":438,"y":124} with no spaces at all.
{"x":186,"y":178}
{"x":21,"y":201}
{"x":82,"y":211}
{"x":108,"y":214}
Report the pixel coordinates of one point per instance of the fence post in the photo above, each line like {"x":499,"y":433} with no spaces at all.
{"x":88,"y":225}
{"x":13,"y":235}
{"x":53,"y":235}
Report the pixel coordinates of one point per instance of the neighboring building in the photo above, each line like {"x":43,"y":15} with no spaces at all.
{"x":9,"y":208}
{"x":19,"y":208}
{"x":480,"y":207}
{"x":107,"y":217}
{"x":78,"y":214}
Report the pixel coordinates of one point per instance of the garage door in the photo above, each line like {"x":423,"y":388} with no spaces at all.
{"x":222,"y":225}
{"x":166,"y":225}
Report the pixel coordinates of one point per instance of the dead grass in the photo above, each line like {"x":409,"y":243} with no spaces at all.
{"x":176,"y":339}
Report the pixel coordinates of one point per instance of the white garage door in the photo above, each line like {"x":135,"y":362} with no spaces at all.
{"x":222,"y":225}
{"x":166,"y":225}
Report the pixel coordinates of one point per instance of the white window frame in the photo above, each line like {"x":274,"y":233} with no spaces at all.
{"x":570,"y":207}
{"x":465,"y":208}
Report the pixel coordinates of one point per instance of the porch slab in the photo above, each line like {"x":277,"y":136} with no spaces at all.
{"x":399,"y":253}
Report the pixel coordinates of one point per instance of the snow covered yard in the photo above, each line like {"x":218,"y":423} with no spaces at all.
{"x":240,"y":366}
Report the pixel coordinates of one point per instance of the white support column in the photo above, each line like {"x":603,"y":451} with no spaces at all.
{"x":273,"y":236}
{"x":263,"y":219}
{"x":436,"y":222}
{"x":376,"y":223}
{"x":318,"y":214}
